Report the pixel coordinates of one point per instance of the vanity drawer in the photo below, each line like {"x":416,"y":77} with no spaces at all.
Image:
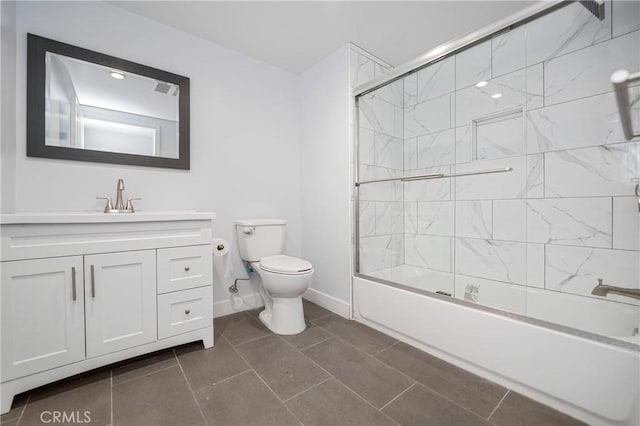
{"x":184,"y":311}
{"x":180,"y":268}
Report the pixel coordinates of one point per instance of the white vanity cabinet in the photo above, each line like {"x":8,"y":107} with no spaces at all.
{"x":80,"y":291}
{"x":120,"y":300}
{"x":42,"y":315}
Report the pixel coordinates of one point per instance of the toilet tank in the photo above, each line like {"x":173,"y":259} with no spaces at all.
{"x":258,"y":238}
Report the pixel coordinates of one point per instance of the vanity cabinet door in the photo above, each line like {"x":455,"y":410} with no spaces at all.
{"x":120,"y":300}
{"x":42,"y":315}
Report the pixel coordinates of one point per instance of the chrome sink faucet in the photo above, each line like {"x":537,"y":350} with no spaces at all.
{"x":119,"y":188}
{"x":120,"y":206}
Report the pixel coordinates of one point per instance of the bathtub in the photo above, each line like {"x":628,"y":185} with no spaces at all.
{"x":591,"y":378}
{"x":618,"y":319}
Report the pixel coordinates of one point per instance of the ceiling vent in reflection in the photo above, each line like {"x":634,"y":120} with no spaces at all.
{"x":165,"y":88}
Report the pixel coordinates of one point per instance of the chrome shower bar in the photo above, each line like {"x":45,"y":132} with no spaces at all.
{"x":621,"y":80}
{"x":427,"y":176}
{"x":433,"y":55}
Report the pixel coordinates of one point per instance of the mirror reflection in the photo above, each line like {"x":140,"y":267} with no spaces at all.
{"x":94,"y":107}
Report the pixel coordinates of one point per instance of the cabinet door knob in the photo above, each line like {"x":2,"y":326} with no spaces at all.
{"x":186,"y":268}
{"x":187,"y":311}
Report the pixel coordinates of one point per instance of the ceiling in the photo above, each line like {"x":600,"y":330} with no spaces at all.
{"x":294,"y":35}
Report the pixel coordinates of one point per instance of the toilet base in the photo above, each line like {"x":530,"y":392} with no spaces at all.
{"x":285,"y":316}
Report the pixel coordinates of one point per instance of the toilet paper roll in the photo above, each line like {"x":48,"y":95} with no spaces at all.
{"x":221,"y":259}
{"x":220,"y":247}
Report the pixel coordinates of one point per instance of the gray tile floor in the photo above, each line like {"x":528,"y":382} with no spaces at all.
{"x":337,"y":372}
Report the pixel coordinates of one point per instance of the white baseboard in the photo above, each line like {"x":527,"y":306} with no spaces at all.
{"x":237,"y":303}
{"x":336,"y":306}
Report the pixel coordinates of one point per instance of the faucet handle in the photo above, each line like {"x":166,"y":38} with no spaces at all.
{"x":129,"y":207}
{"x":108,"y":206}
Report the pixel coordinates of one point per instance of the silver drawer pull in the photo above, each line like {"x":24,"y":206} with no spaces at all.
{"x":73,"y":283}
{"x":186,"y":268}
{"x":93,"y":282}
{"x":187,"y":311}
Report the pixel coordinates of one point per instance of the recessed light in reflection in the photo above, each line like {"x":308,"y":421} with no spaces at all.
{"x":496,"y":95}
{"x":117,"y":75}
{"x":481,"y":83}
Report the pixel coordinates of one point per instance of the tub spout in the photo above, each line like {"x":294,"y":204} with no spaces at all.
{"x":603,"y":290}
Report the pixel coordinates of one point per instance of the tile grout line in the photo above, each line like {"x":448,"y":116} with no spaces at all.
{"x":248,"y":341}
{"x":224,"y":380}
{"x":315,"y":344}
{"x":19,"y":418}
{"x":144,"y":375}
{"x":338,"y":380}
{"x":366,"y":353}
{"x":323,"y":316}
{"x":498,"y":405}
{"x":265,"y":383}
{"x":384,"y":349}
{"x":429,"y":388}
{"x":111,"y":393}
{"x":259,"y":376}
{"x":193,"y":395}
{"x":398,"y":396}
{"x":307,"y":389}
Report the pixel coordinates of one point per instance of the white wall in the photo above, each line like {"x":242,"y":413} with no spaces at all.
{"x":325,"y":177}
{"x":244,"y":127}
{"x":7,"y":106}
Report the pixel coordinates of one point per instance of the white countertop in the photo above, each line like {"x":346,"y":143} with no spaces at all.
{"x":100,"y":217}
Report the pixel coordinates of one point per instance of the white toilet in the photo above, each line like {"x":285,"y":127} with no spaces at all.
{"x":284,"y":278}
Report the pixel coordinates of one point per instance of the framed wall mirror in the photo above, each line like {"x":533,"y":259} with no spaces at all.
{"x":87,"y":106}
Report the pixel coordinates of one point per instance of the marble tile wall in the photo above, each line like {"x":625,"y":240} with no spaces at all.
{"x":538,"y":99}
{"x":381,"y":156}
{"x":565,"y":215}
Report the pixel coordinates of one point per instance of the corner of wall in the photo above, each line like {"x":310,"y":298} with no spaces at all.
{"x":7,"y":106}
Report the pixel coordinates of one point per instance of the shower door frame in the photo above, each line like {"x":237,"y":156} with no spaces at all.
{"x":440,"y":52}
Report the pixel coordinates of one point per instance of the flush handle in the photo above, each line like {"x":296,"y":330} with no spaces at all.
{"x":248,"y":230}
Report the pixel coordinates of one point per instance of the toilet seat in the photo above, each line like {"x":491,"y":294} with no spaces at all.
{"x":286,"y":265}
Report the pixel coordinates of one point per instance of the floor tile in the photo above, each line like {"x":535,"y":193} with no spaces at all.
{"x":161,"y":398}
{"x":90,"y":392}
{"x":420,"y":406}
{"x":204,"y":367}
{"x":371,"y":379}
{"x":16,"y":407}
{"x":470,"y":391}
{"x":240,"y":328}
{"x":520,"y":410}
{"x":331,"y":403}
{"x":9,"y":422}
{"x":286,"y":370}
{"x":313,"y":311}
{"x":142,"y":366}
{"x":310,"y":336}
{"x":369,"y":340}
{"x":243,"y":400}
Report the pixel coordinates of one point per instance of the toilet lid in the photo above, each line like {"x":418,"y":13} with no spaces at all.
{"x":285,"y":264}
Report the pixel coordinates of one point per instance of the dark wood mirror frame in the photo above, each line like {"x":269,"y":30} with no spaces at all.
{"x":36,"y":75}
